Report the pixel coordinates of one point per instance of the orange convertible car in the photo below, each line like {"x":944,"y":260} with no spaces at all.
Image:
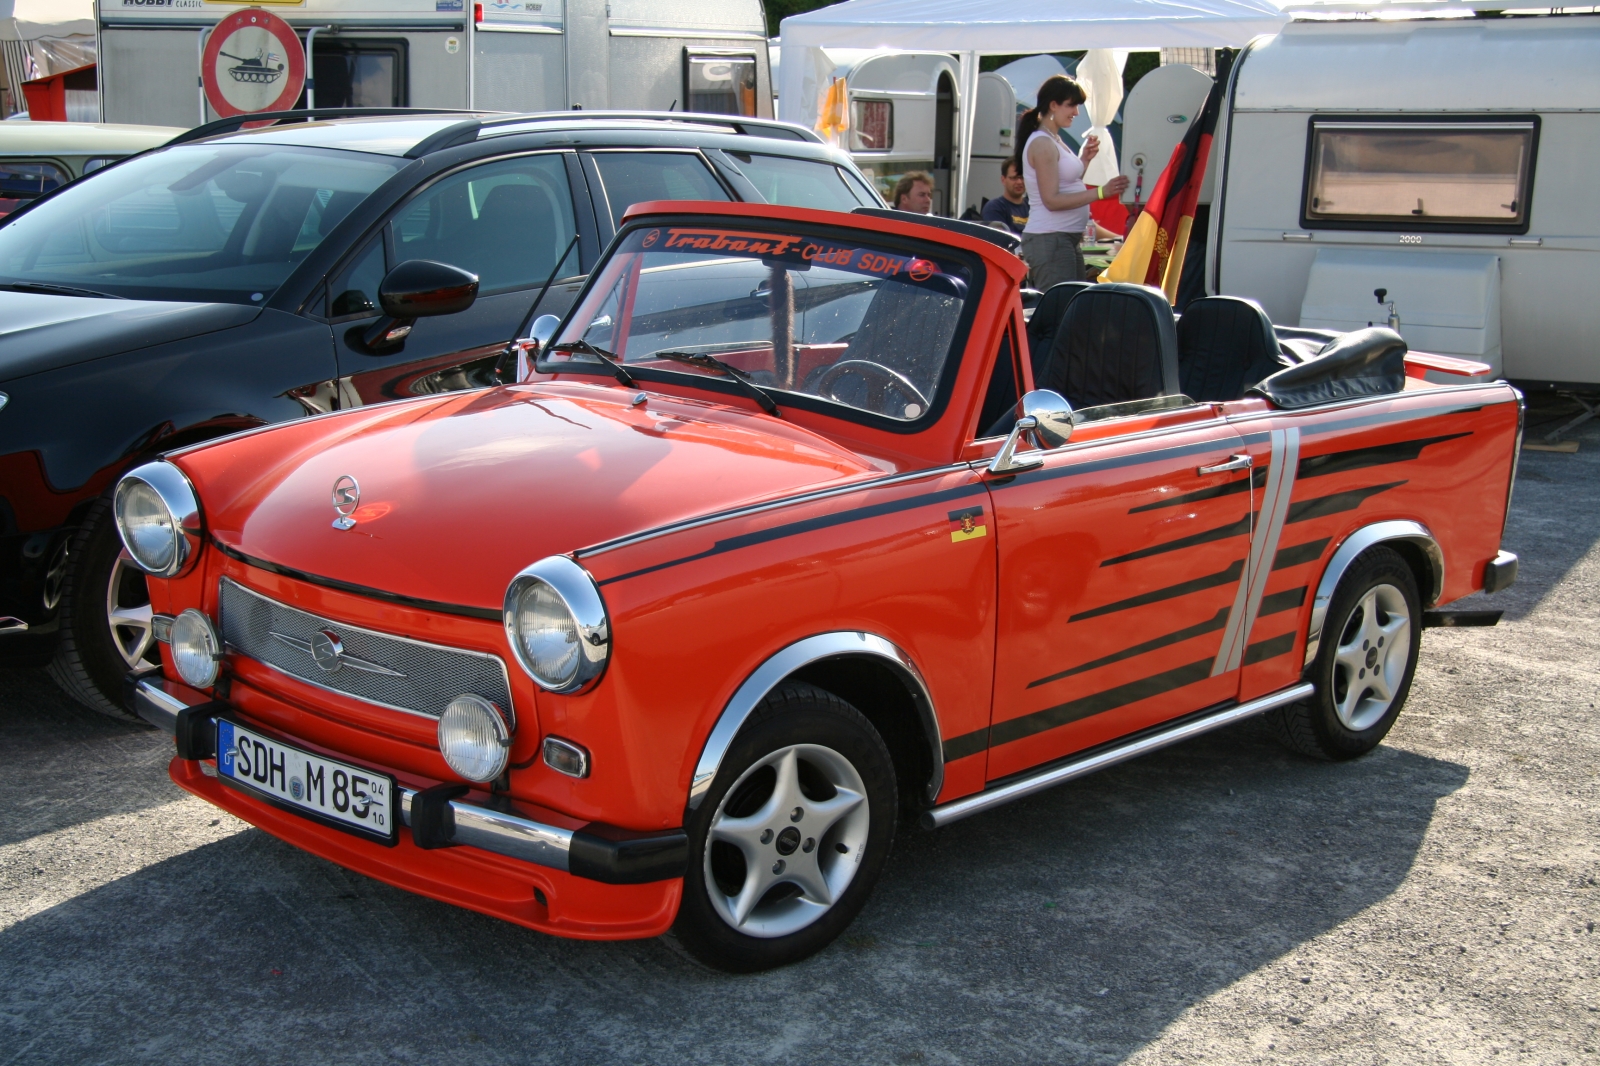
{"x":785,"y":539}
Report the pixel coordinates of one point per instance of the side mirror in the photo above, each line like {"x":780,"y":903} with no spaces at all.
{"x":417,"y":288}
{"x":1047,"y":416}
{"x":530,"y":347}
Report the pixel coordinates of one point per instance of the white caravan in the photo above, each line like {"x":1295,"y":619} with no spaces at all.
{"x":517,"y":55}
{"x":1448,"y":163}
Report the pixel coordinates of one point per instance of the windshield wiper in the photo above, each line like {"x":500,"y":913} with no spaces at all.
{"x":608,"y":358}
{"x":711,"y":362}
{"x":56,"y":290}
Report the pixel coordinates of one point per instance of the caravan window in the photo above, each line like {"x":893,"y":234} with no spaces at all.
{"x":1412,"y":174}
{"x":358,"y":73}
{"x":872,"y":125}
{"x":720,"y":84}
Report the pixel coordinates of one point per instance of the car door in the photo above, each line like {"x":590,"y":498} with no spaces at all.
{"x":507,"y":220}
{"x":1121,"y":564}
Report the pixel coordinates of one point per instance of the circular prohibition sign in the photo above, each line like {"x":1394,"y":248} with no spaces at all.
{"x":253,"y":62}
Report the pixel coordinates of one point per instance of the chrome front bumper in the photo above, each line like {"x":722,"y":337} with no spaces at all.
{"x":442,"y":817}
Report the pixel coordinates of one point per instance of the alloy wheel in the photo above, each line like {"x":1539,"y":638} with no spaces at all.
{"x":128,"y":611}
{"x":1371,"y":657}
{"x":786,"y":840}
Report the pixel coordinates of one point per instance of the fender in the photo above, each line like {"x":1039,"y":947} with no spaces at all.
{"x":802,"y":653}
{"x":1366,"y":537}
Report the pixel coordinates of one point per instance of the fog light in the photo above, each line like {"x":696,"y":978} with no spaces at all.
{"x":473,"y":738}
{"x":563,"y":756}
{"x":196,"y":651}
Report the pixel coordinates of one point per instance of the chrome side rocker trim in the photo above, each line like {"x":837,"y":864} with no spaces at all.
{"x":1358,"y":542}
{"x":803,"y":653}
{"x":1085,"y":763}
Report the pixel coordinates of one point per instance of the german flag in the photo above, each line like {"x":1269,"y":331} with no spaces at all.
{"x":1153,"y":252}
{"x":967,"y":524}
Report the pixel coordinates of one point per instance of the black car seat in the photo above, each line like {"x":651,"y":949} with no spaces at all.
{"x":1225,"y":345}
{"x":1364,"y":362}
{"x":1117,"y":342}
{"x":1046,"y":319}
{"x":907,"y":328}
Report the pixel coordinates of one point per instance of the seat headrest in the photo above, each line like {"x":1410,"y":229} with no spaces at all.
{"x":1116,"y":342}
{"x":1364,"y":362}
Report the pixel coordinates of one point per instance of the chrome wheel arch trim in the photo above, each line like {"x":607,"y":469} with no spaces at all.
{"x":1366,"y":537}
{"x":802,"y":653}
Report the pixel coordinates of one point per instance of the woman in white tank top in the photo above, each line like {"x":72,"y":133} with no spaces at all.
{"x":1058,"y":200}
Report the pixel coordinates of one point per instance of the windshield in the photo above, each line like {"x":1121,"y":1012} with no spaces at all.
{"x":865,"y":326}
{"x":224,"y":222}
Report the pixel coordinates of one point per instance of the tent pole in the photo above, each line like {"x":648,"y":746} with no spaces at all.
{"x":969,"y":125}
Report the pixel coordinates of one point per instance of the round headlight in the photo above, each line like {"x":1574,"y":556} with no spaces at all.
{"x":557,"y":624}
{"x":473,"y":738}
{"x":158,"y":518}
{"x":196,"y":651}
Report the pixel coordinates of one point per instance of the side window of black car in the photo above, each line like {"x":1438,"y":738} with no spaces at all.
{"x":355,"y":291}
{"x":505,"y":221}
{"x":634,"y":177}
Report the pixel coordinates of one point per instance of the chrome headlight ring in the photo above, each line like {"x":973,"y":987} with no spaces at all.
{"x":153,"y":486}
{"x":557,"y":625}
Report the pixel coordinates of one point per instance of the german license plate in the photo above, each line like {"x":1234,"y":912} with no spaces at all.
{"x":349,"y":796}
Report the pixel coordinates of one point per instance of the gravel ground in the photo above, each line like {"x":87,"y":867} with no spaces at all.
{"x":1223,"y":901}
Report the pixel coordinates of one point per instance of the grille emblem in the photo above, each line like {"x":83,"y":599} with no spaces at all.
{"x":346,"y":497}
{"x":327,"y":651}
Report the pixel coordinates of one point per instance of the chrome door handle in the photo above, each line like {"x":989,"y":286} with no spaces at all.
{"x":1237,"y":462}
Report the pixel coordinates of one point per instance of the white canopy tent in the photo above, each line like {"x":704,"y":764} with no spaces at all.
{"x":29,"y":20}
{"x":971,"y":28}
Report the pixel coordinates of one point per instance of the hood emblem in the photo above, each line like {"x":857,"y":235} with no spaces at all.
{"x":327,"y":651}
{"x":346,"y":498}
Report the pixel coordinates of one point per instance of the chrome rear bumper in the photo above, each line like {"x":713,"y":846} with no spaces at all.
{"x":443,"y":816}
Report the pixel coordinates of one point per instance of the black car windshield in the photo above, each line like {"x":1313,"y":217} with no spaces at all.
{"x":217,"y":222}
{"x":831,"y":318}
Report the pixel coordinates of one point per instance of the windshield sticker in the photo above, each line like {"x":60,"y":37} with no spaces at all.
{"x":799,"y":250}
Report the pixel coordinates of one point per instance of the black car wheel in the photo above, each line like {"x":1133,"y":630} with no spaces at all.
{"x":104,"y":617}
{"x":786,"y":846}
{"x":1364,"y":664}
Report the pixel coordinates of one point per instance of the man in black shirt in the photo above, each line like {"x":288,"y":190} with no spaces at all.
{"x":1012,"y":207}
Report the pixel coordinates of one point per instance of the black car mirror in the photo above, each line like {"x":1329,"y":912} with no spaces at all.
{"x":417,"y":288}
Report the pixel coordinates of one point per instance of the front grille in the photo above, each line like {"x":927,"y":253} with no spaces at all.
{"x":432,"y":676}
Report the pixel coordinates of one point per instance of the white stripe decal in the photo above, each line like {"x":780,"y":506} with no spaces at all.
{"x":1284,"y":461}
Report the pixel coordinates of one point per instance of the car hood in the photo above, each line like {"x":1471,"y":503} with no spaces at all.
{"x":458,"y":493}
{"x":40,"y":332}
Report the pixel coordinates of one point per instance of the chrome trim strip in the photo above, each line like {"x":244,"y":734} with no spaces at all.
{"x":1358,"y":542}
{"x":771,"y":505}
{"x":1049,"y":777}
{"x":779,"y":666}
{"x":511,"y":710}
{"x":1367,"y":401}
{"x":1282,"y":469}
{"x":504,"y":834}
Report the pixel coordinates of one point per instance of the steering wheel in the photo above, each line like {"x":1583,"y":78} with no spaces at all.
{"x":880,"y":380}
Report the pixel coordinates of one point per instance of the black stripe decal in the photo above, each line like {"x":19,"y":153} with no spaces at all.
{"x":811,"y":525}
{"x":1296,"y":554}
{"x":358,"y":590}
{"x":966,"y":744}
{"x":1117,"y":462}
{"x":1231,"y":488}
{"x":1210,"y":625}
{"x":1379,"y":455}
{"x":1287,"y":600}
{"x":1322,"y":506}
{"x":1208,"y":581}
{"x":1236,"y":529}
{"x":1098,"y":703}
{"x":1270,"y":648}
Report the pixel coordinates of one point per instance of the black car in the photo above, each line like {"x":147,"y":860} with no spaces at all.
{"x":238,"y":277}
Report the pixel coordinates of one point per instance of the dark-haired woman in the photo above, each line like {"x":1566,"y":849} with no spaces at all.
{"x":1058,"y":200}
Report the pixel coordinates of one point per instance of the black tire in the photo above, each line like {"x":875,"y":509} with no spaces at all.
{"x":817,"y":726}
{"x":87,"y":663}
{"x":1348,"y":715}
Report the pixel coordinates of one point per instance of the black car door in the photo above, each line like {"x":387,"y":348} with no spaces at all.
{"x":507,"y":220}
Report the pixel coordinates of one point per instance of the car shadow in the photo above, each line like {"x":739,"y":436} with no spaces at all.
{"x":47,"y":738}
{"x":1071,"y":927}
